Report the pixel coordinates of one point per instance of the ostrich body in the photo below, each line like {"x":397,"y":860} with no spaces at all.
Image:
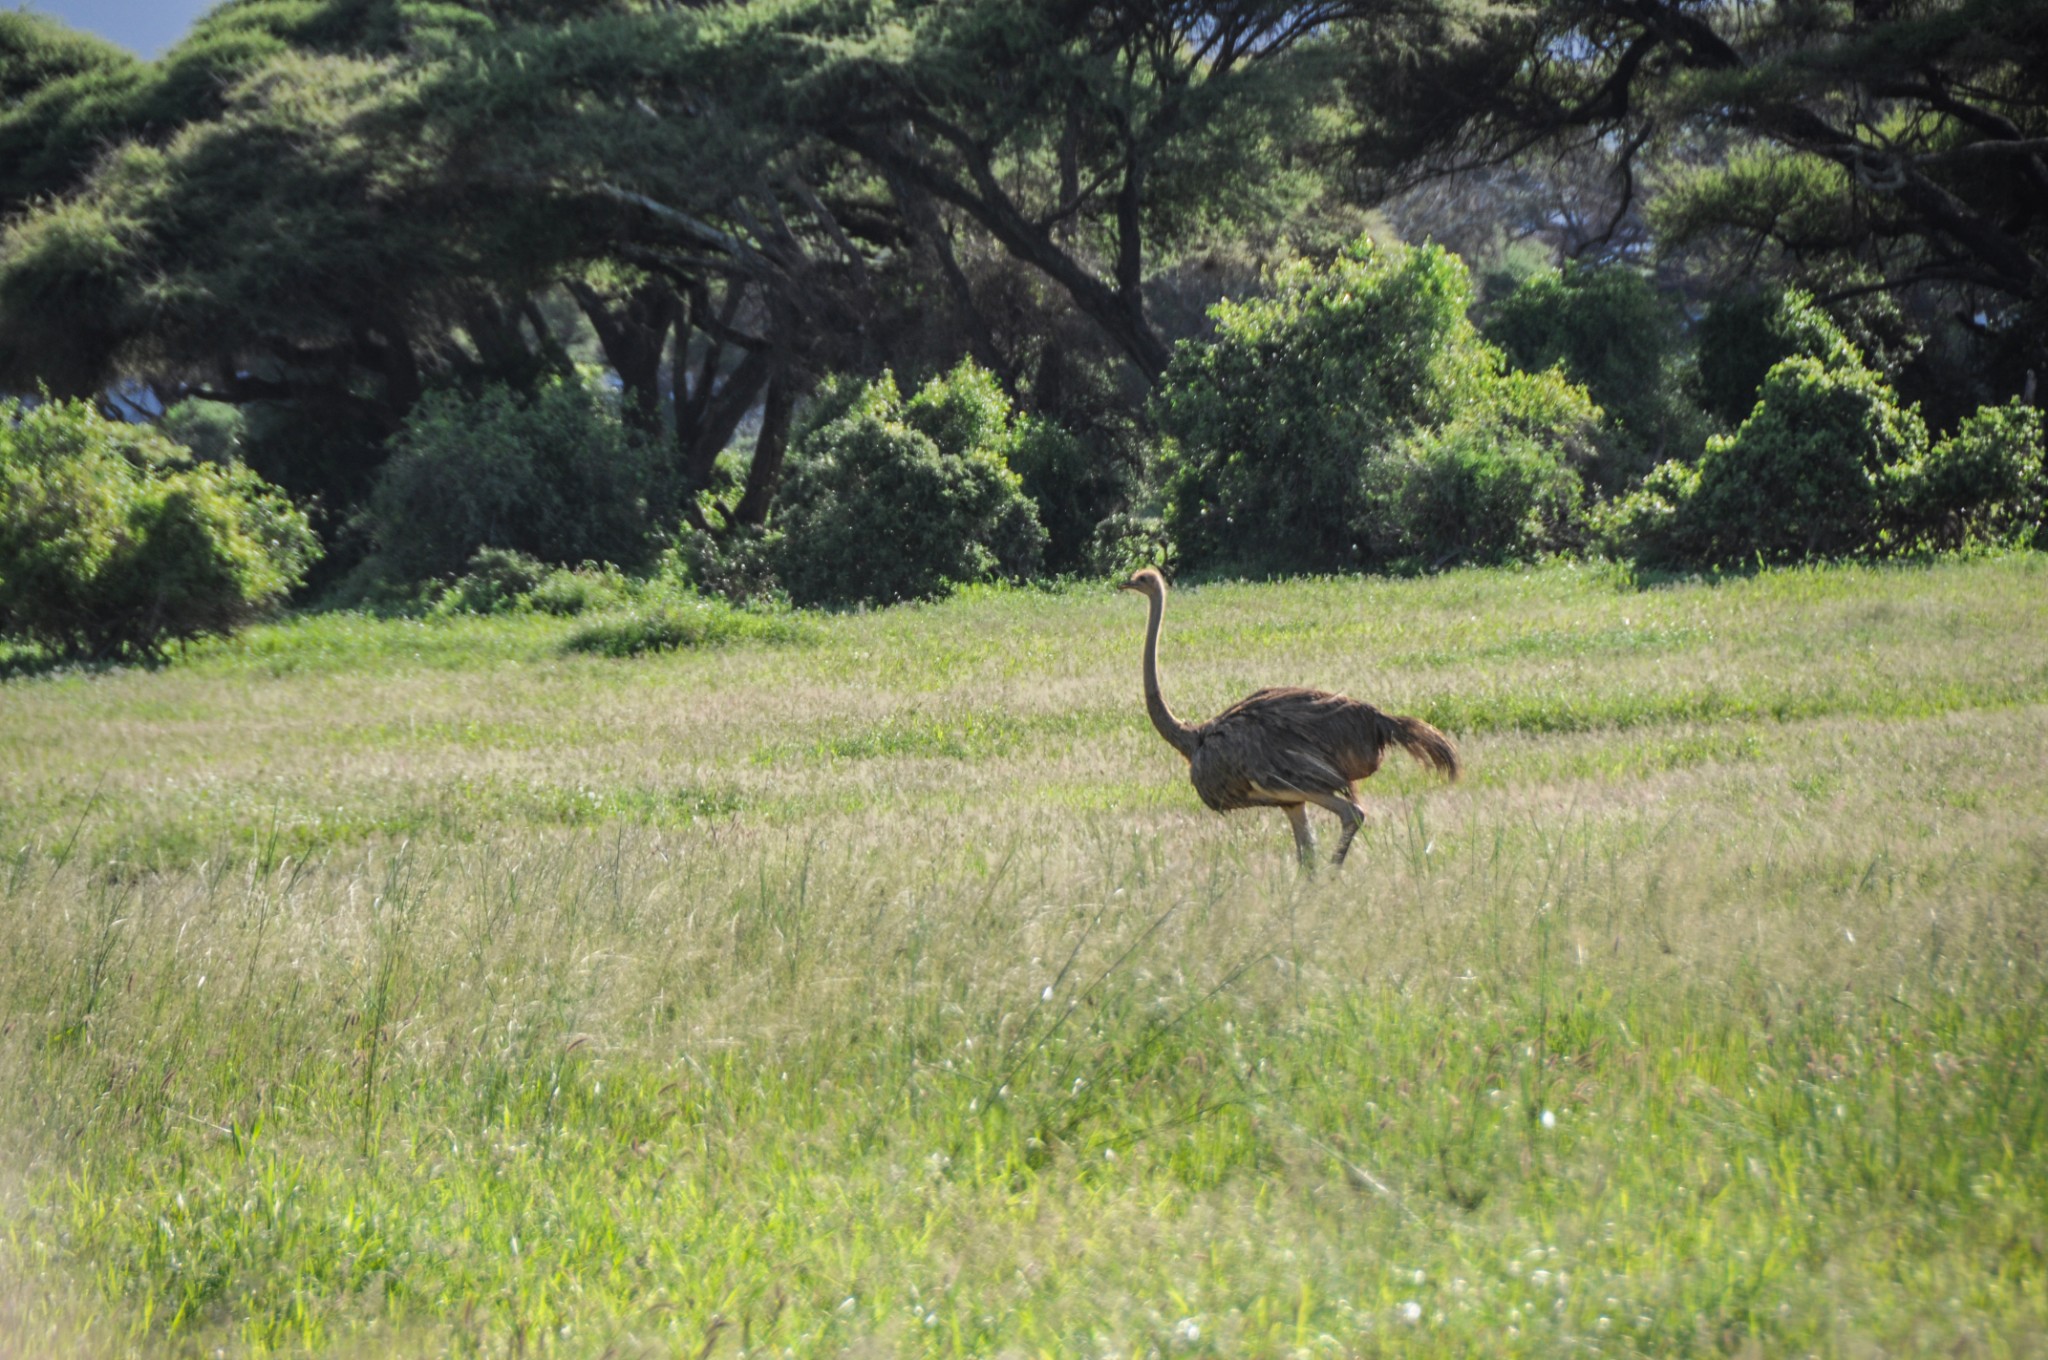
{"x":1285,"y":747}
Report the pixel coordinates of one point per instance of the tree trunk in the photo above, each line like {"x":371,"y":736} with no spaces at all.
{"x":634,"y":337}
{"x":771,"y":448}
{"x":723,"y":409}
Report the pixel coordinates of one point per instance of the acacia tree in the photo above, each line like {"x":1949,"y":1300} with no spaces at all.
{"x":1878,"y":147}
{"x":375,"y":196}
{"x":722,"y":264}
{"x":1083,"y":136}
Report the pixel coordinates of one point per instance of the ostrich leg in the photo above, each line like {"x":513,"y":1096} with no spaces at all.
{"x":1348,"y":812}
{"x":1304,"y":834}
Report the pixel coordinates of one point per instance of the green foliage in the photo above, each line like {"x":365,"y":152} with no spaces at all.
{"x":588,"y":589}
{"x":1829,"y":464}
{"x":554,"y":476}
{"x":1076,"y":482}
{"x":1145,"y":127}
{"x":1756,"y":192}
{"x":691,"y":623}
{"x":1488,"y":485}
{"x":1742,"y":338}
{"x":113,"y":543}
{"x":1810,"y":473}
{"x":1354,"y":417}
{"x":1801,"y":142}
{"x":500,"y":581}
{"x":737,"y":566}
{"x":497,"y":581}
{"x":1816,"y":471}
{"x":1128,"y":540}
{"x":67,"y":297}
{"x":1645,"y":525}
{"x":214,"y":431}
{"x":63,"y":97}
{"x":966,"y":410}
{"x":891,"y":500}
{"x":1619,"y":339}
{"x":1984,"y":484}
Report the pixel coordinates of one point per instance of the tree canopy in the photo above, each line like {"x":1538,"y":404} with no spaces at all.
{"x":325,"y":212}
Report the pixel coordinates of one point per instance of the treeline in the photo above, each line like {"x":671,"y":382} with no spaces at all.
{"x":852,"y":301}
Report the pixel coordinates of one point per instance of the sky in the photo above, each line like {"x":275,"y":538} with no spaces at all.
{"x":146,"y":27}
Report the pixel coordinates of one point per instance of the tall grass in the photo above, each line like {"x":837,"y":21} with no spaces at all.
{"x":894,"y":994}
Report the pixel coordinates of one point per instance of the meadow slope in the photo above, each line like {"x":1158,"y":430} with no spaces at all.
{"x":882,"y":988}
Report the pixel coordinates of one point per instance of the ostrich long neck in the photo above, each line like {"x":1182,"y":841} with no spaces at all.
{"x":1177,"y":733}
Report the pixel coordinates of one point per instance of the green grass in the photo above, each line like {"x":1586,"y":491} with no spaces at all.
{"x":409,"y":988}
{"x":664,"y":628}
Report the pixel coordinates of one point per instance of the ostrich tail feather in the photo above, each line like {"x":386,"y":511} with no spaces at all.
{"x":1429,"y":746}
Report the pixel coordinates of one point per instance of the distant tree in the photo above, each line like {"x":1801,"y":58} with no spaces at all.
{"x":1084,"y":137}
{"x":1868,"y":147}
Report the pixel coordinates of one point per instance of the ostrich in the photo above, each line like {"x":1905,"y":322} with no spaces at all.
{"x":1285,"y":747}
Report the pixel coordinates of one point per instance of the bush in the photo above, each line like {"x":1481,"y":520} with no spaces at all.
{"x":1810,"y":473}
{"x":888,"y":500}
{"x":114,"y":543}
{"x":498,"y":581}
{"x":1984,"y":484}
{"x":1126,"y":541}
{"x":589,"y":589}
{"x":1354,"y":417}
{"x":737,"y":566}
{"x":1741,"y":339}
{"x":213,"y":430}
{"x":554,"y":476}
{"x":1077,"y":483}
{"x":691,"y":623}
{"x":1816,"y":471}
{"x":1489,"y":485}
{"x":1646,"y":525}
{"x":1614,"y":335}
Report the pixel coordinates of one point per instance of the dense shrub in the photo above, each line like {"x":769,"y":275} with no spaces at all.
{"x":496,"y":581}
{"x":1615,"y":336}
{"x":1984,"y":484}
{"x":1741,"y":339}
{"x":1647,"y":524}
{"x":1077,"y":482}
{"x":212,"y":430}
{"x":554,"y":476}
{"x":114,"y":542}
{"x":1816,"y":471}
{"x":1488,"y":485}
{"x":1810,"y":473}
{"x":591,"y":588}
{"x":500,"y":581}
{"x":1354,"y":417}
{"x":737,"y":566}
{"x":892,"y":500}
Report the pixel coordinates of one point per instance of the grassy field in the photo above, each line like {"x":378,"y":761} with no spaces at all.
{"x":880,"y":987}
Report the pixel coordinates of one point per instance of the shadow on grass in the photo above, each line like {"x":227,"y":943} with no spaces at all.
{"x":28,"y":663}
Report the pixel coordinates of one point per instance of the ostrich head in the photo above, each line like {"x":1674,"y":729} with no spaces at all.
{"x":1147,"y":581}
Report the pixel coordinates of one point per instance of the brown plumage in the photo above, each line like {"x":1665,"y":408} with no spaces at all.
{"x":1285,"y":747}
